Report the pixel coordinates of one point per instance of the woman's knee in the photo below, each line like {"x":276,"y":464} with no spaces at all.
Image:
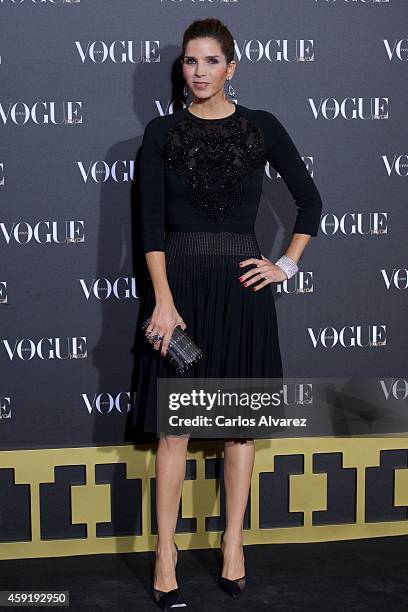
{"x":174,"y":441}
{"x":248,"y":441}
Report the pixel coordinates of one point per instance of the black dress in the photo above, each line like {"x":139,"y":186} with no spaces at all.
{"x":200,"y":186}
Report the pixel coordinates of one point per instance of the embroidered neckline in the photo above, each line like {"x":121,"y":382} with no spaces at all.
{"x":216,"y":156}
{"x":217,"y":120}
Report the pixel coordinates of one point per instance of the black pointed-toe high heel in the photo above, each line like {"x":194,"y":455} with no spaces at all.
{"x":232,"y":587}
{"x":168,"y":599}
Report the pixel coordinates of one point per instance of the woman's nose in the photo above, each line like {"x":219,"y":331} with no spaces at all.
{"x":200,"y":70}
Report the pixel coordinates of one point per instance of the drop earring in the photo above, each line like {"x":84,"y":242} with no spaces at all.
{"x":185,"y":91}
{"x":231,"y":90}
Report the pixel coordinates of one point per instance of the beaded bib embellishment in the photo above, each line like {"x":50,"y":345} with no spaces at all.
{"x":215,"y":157}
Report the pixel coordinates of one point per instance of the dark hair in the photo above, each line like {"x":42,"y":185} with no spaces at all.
{"x":211,"y":28}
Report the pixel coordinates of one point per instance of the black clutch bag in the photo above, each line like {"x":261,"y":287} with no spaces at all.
{"x":182,"y":352}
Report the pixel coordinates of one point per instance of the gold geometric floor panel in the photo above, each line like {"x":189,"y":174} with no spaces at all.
{"x":298,"y":485}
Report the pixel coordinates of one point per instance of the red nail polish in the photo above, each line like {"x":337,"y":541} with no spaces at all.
{"x":245,"y":284}
{"x":253,"y":288}
{"x":240,"y":278}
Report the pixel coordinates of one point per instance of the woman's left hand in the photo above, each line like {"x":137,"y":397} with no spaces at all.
{"x":265,"y":271}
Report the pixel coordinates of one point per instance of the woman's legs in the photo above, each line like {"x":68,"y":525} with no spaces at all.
{"x":170,"y":472}
{"x":239,"y":458}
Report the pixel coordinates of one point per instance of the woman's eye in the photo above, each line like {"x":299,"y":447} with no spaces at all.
{"x":212,"y":60}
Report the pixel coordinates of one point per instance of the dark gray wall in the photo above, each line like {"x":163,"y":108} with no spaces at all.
{"x":71,"y":123}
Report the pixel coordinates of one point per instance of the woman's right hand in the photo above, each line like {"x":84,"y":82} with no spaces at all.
{"x":163,"y":321}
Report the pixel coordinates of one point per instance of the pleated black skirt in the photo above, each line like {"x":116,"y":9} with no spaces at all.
{"x":235,"y":326}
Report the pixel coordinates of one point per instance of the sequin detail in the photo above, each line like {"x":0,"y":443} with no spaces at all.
{"x":215,"y":158}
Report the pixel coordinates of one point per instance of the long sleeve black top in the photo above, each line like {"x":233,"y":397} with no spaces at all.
{"x":200,"y":174}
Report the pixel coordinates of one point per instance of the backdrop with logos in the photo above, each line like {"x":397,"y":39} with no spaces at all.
{"x":80,"y":80}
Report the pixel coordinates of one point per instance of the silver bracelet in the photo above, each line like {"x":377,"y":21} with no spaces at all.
{"x":287,"y":265}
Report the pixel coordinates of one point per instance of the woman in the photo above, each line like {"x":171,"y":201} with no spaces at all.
{"x":201,"y":173}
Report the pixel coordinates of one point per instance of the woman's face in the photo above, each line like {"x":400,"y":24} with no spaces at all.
{"x":204,"y":62}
